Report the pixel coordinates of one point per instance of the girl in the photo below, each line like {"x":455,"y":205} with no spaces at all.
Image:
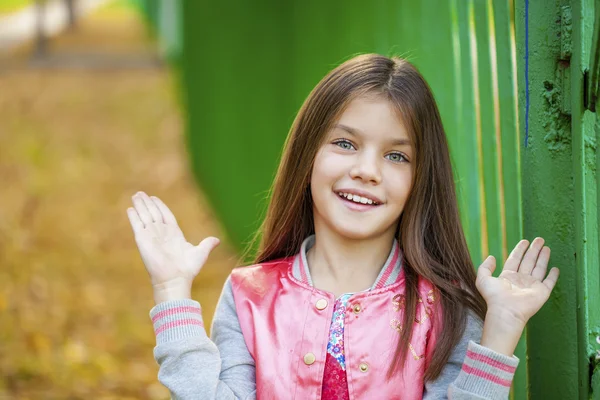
{"x":363,"y":287}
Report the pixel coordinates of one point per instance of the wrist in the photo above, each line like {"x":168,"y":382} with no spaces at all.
{"x":174,"y":289}
{"x":506,"y":319}
{"x":502,"y":331}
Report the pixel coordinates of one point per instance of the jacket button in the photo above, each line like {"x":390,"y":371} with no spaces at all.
{"x":356,"y":308}
{"x":321,"y":304}
{"x":309,"y":358}
{"x":364,"y":367}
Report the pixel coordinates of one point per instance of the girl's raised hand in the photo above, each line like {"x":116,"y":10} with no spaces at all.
{"x":522,"y":287}
{"x":171,"y":261}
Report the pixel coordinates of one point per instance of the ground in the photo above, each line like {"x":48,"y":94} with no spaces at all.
{"x":75,"y":144}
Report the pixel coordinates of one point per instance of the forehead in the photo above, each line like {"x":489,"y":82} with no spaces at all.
{"x":375,"y":116}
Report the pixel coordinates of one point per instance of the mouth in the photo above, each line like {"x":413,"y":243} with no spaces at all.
{"x":355,"y":198}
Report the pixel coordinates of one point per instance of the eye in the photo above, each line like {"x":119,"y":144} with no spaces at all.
{"x":344,"y":144}
{"x":396,"y":157}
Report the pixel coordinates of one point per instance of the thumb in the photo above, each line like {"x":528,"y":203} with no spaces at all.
{"x":486,"y":268}
{"x":205,"y":247}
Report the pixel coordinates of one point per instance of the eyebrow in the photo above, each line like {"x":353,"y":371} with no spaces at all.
{"x":358,"y":132}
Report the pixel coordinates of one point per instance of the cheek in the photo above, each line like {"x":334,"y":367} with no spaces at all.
{"x":327,"y":168}
{"x":400,"y":185}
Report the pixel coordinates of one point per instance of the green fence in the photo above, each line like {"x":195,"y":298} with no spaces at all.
{"x":556,"y":53}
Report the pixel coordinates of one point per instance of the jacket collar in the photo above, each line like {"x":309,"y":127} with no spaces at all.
{"x":389,"y":274}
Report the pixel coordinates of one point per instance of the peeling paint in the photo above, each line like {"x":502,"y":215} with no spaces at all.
{"x":591,"y":144}
{"x":555,"y":123}
{"x":566,"y":29}
{"x":594,"y":334}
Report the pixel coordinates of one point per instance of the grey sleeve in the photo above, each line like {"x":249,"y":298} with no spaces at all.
{"x":237,"y":364}
{"x":191,"y":365}
{"x":473,"y":372}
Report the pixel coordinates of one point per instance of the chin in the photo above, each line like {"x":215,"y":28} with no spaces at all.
{"x":357,"y":232}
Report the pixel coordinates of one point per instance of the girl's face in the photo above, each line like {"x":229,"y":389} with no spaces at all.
{"x":362,"y":174}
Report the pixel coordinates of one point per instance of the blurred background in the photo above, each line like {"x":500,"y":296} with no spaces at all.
{"x":191,"y":101}
{"x":85,"y":122}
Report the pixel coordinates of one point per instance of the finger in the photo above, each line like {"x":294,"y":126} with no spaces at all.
{"x":515,"y":257}
{"x":541,"y":266}
{"x":205,"y":247}
{"x":167,"y":215}
{"x":142,"y":210}
{"x":551,"y":279}
{"x":154,"y":212}
{"x":134,"y":219}
{"x":486,"y":268}
{"x":528,"y":263}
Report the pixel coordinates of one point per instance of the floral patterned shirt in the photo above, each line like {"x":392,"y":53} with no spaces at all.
{"x":335,"y":383}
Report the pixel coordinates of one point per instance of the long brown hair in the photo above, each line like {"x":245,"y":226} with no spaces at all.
{"x":429,"y":233}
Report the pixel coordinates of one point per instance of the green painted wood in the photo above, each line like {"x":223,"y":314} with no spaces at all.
{"x":584,"y":125}
{"x":510,"y":139}
{"x":595,"y":386}
{"x":487,"y":132}
{"x":468,"y":151}
{"x":549,"y":208}
{"x":237,"y":84}
{"x":504,"y":35}
{"x":456,"y":131}
{"x":436,"y":48}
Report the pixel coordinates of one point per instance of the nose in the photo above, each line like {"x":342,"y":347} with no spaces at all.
{"x":366,"y":168}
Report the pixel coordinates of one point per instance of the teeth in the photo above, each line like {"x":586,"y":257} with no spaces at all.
{"x":356,"y":198}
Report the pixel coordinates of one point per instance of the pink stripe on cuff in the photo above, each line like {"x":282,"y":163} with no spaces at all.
{"x":485,"y":375}
{"x":491,"y":362}
{"x":177,"y":323}
{"x":175,"y":310}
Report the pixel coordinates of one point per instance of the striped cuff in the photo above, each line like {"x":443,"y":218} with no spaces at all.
{"x":177,"y":319}
{"x":486,"y":373}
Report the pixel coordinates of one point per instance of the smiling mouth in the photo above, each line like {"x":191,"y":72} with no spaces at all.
{"x":357,"y":199}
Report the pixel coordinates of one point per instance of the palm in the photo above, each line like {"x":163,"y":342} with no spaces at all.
{"x":520,"y":288}
{"x":166,"y":254}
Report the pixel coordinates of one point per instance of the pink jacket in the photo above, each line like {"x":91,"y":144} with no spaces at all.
{"x":285,"y":322}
